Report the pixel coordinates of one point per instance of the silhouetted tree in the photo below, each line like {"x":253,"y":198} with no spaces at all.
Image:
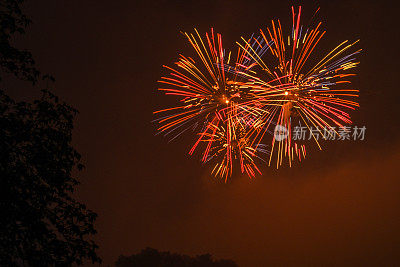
{"x":150,"y":257}
{"x":41,"y":224}
{"x":13,"y":60}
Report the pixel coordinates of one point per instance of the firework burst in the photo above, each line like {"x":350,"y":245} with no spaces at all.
{"x":232,"y":102}
{"x":212,"y":94}
{"x":316,"y":97}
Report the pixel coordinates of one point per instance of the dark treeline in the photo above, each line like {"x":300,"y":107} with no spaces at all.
{"x":150,"y":257}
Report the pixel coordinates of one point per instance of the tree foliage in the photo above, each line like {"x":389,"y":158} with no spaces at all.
{"x":150,"y":257}
{"x":16,"y":61}
{"x":41,"y":224}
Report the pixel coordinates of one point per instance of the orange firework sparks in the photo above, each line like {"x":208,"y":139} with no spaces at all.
{"x":317,"y":97}
{"x":211,"y":91}
{"x":231,"y":102}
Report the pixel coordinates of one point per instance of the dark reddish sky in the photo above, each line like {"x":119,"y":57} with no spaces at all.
{"x":340,"y":207}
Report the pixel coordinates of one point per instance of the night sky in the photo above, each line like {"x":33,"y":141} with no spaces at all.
{"x":341,"y":206}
